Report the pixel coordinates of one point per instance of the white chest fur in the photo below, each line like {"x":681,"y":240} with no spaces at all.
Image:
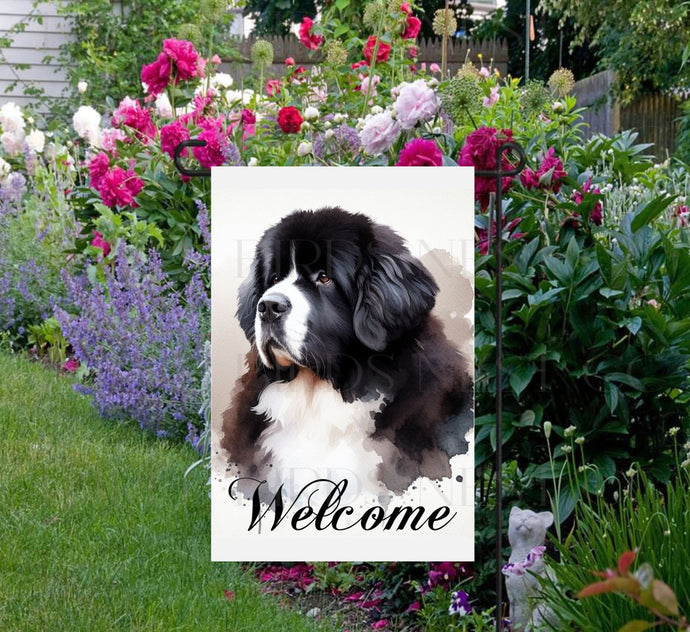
{"x":314,"y":433}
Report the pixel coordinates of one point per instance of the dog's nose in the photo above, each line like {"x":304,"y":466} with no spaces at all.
{"x":273,"y":306}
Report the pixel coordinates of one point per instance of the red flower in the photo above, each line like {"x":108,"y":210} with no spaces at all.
{"x":482,"y":238}
{"x":412,"y":27}
{"x":290,"y":120}
{"x":300,"y":70}
{"x":683,"y":215}
{"x":359,"y":64}
{"x":119,"y":187}
{"x":420,"y":152}
{"x":185,"y":57}
{"x":479,"y":151}
{"x":171,"y":136}
{"x":248,"y":117}
{"x":405,"y":8}
{"x":273,"y":87}
{"x":383,"y":52}
{"x":547,"y":176}
{"x":99,"y":242}
{"x":310,"y":41}
{"x":156,"y":76}
{"x":98,"y":167}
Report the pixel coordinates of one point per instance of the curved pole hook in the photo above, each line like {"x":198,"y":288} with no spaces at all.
{"x":202,"y":173}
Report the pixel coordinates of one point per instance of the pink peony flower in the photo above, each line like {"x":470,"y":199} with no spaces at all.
{"x":379,"y":625}
{"x":109,"y":138}
{"x":213,"y":153}
{"x":186,"y":60}
{"x":156,"y":76}
{"x":382,"y":53}
{"x":420,"y":153}
{"x":416,"y":102}
{"x":364,"y":86}
{"x":171,"y":136}
{"x":71,"y":365}
{"x":405,"y":8}
{"x":98,"y":167}
{"x":99,"y":242}
{"x":492,"y":99}
{"x":435,"y":67}
{"x":248,"y":117}
{"x":412,"y":27}
{"x":683,"y":215}
{"x":482,"y":243}
{"x":380,"y":131}
{"x":547,"y":176}
{"x":273,"y":87}
{"x":479,"y":151}
{"x":130,"y":114}
{"x":310,"y":41}
{"x":289,"y":61}
{"x":484,"y":72}
{"x":119,"y":187}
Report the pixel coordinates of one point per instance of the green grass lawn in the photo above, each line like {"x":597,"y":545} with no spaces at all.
{"x":99,"y":529}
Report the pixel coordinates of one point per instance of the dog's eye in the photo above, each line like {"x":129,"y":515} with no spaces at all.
{"x":273,"y":280}
{"x":322,"y":277}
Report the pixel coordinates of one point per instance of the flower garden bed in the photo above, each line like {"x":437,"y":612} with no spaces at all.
{"x":104,"y":263}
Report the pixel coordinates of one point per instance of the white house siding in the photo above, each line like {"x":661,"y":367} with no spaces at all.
{"x":31,"y":47}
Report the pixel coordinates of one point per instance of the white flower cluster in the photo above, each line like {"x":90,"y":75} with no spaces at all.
{"x":87,"y":123}
{"x":14,"y":138}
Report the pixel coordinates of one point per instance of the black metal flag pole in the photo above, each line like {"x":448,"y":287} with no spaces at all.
{"x":498,"y":174}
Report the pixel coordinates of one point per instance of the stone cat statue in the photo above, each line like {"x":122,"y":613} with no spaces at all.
{"x":526,"y":534}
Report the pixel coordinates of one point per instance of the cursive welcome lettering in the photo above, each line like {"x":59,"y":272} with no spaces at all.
{"x":330,"y":514}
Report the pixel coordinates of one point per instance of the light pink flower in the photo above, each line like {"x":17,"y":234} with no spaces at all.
{"x":99,"y":242}
{"x":416,"y":102}
{"x":484,"y":72}
{"x":489,"y":101}
{"x":109,"y":137}
{"x":435,"y":67}
{"x":380,"y":131}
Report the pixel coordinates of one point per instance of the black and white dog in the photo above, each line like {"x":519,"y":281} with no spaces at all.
{"x":349,"y":375}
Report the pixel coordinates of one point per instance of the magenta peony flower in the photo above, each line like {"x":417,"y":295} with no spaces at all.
{"x":71,"y":365}
{"x":596,"y":216}
{"x":547,"y":176}
{"x":130,"y":114}
{"x":156,"y":76}
{"x":119,"y":187}
{"x":98,"y":167}
{"x":213,"y":153}
{"x":416,"y":102}
{"x":171,"y":136}
{"x":683,"y":215}
{"x":479,"y":151}
{"x":186,"y":60}
{"x":312,"y":42}
{"x":420,"y":153}
{"x":99,"y":242}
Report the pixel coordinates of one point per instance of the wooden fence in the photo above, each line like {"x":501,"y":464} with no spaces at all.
{"x":495,"y":52}
{"x":654,"y":116}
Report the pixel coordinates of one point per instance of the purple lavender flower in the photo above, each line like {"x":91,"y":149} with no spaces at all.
{"x":343,"y":145}
{"x":232,"y":156}
{"x":459,"y":603}
{"x":12,"y":189}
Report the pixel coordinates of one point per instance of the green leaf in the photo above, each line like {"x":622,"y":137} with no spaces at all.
{"x":648,"y":212}
{"x":637,"y":625}
{"x":608,"y":292}
{"x":611,"y":395}
{"x":624,"y":378}
{"x":521,"y":377}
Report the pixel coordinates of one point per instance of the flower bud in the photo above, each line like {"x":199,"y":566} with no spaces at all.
{"x":547,"y":429}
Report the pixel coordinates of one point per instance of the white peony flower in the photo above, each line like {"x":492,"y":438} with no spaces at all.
{"x":239,"y":96}
{"x":12,"y":142}
{"x":222,"y":80}
{"x":304,"y":149}
{"x":311,"y":113}
{"x":36,"y":141}
{"x":86,"y":122}
{"x":253,"y":162}
{"x":12,"y":119}
{"x":82,"y":86}
{"x":329,"y":134}
{"x":378,"y":133}
{"x":163,"y":106}
{"x":4,"y":169}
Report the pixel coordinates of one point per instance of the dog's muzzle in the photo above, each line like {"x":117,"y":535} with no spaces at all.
{"x":273,"y":306}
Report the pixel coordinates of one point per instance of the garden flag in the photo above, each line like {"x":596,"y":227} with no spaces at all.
{"x":342,"y":363}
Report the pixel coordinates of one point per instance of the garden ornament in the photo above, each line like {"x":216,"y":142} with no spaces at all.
{"x":526,"y":534}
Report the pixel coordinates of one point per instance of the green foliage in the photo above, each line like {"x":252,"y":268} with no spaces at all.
{"x":640,"y":516}
{"x":48,"y":341}
{"x":644,"y":42}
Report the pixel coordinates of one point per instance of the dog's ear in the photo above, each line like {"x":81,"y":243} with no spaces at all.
{"x":248,"y":296}
{"x":394,"y":291}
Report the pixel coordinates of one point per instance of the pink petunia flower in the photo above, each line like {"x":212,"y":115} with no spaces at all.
{"x":420,"y":153}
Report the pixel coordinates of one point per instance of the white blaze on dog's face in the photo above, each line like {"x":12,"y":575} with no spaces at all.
{"x":281,"y":320}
